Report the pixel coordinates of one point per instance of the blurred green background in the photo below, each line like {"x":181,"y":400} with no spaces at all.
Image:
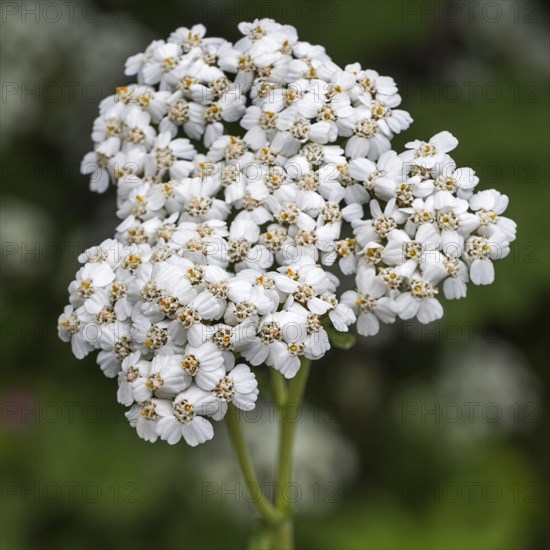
{"x":421,"y":438}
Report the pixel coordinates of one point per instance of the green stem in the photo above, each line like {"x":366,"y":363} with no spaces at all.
{"x":278,"y":517}
{"x":289,"y":422}
{"x":269,"y":513}
{"x":284,"y":536}
{"x":279,"y":388}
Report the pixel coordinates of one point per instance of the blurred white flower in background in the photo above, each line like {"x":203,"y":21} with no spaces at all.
{"x":484,"y":392}
{"x":494,"y":387}
{"x":482,"y":27}
{"x":38,"y":50}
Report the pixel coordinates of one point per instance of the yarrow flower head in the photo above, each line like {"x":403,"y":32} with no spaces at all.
{"x":250,"y":179}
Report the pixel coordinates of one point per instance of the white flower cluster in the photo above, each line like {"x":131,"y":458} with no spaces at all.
{"x":231,"y":236}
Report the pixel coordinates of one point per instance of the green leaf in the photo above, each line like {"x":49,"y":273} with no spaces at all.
{"x":341,"y":340}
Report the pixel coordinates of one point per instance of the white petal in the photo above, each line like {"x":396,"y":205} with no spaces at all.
{"x":482,"y":272}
